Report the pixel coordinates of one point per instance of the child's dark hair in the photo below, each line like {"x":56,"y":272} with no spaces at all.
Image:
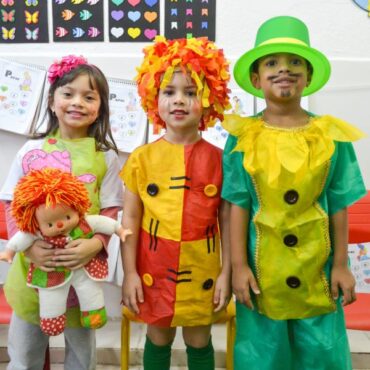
{"x":100,"y":129}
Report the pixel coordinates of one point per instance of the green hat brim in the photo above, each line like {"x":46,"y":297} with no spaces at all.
{"x":319,"y":62}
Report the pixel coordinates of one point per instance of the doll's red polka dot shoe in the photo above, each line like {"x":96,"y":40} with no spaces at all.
{"x":54,"y":325}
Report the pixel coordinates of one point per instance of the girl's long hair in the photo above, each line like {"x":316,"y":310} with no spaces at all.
{"x":100,"y":129}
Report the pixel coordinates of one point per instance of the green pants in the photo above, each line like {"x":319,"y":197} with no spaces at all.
{"x":316,"y":343}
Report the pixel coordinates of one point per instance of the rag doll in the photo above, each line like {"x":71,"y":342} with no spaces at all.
{"x":50,"y":204}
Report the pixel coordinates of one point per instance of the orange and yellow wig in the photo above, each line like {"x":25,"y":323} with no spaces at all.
{"x":48,"y":186}
{"x":207,"y":67}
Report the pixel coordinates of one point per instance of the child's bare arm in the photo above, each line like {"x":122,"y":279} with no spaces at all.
{"x":242,"y":276}
{"x":341,"y":275}
{"x":132,"y":291}
{"x":222,"y":288}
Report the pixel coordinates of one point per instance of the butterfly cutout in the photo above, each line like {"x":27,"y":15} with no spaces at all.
{"x":7,"y":2}
{"x":31,"y":2}
{"x":7,"y":16}
{"x":8,"y":34}
{"x":32,"y":35}
{"x":31,"y":17}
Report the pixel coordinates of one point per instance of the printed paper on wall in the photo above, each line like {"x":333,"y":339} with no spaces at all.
{"x":190,"y":18}
{"x":78,"y":20}
{"x":133,"y":20}
{"x":23,"y":21}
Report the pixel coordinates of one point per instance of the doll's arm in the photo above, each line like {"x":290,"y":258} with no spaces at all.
{"x":17,"y":243}
{"x":107,"y":225}
{"x":21,"y":241}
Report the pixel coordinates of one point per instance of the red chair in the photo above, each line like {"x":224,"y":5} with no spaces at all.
{"x":357,"y":314}
{"x":5,"y":309}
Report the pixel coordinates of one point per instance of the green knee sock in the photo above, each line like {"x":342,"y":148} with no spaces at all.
{"x":201,"y":358}
{"x":156,"y":357}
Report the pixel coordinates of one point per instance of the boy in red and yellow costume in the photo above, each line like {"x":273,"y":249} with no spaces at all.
{"x":173,"y":276}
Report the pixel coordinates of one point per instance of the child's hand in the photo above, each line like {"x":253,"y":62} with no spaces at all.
{"x":132,"y":291}
{"x":7,"y":255}
{"x":221,"y":296}
{"x":122,"y":233}
{"x":77,"y":253}
{"x":41,"y":254}
{"x":242,"y":281}
{"x":342,"y":279}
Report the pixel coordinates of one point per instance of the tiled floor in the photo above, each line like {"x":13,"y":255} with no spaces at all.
{"x":108,"y":344}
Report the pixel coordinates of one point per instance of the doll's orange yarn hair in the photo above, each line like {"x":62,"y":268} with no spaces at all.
{"x":201,"y":58}
{"x":48,"y":186}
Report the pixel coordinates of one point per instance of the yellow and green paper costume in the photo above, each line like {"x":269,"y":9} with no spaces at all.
{"x":293,"y":181}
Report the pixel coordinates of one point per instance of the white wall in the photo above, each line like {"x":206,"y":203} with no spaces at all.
{"x":339,"y":28}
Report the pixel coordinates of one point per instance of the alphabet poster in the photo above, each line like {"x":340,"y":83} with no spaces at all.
{"x":127,"y":119}
{"x":78,"y":20}
{"x":133,"y":20}
{"x":21,"y":88}
{"x":190,"y":18}
{"x":242,"y":104}
{"x":359,"y":255}
{"x":24,"y":21}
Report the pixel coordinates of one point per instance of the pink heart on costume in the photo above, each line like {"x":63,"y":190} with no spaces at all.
{"x":134,"y":2}
{"x":117,"y":14}
{"x":150,"y":33}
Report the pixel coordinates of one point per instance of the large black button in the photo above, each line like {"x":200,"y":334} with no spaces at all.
{"x":290,"y":240}
{"x":291,"y":196}
{"x":152,"y":189}
{"x":208,"y":284}
{"x":293,"y":282}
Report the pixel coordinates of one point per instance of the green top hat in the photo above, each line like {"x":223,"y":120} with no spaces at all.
{"x":283,"y":35}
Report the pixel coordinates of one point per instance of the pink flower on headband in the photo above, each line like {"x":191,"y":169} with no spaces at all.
{"x":65,"y":65}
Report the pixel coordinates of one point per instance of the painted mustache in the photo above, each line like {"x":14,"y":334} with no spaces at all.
{"x":292,"y":76}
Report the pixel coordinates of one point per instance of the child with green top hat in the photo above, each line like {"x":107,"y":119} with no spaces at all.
{"x":290,"y":176}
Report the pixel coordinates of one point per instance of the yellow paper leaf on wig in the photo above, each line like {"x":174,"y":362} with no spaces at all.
{"x":206,"y":92}
{"x":167,"y":77}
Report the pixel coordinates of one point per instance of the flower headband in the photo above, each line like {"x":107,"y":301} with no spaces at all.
{"x":207,"y":67}
{"x":65,"y":65}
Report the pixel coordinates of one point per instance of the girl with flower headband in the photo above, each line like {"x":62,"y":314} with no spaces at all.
{"x":78,"y":140}
{"x":172,"y":272}
{"x":289,"y":176}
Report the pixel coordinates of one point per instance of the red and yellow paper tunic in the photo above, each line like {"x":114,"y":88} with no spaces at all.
{"x":178,"y":253}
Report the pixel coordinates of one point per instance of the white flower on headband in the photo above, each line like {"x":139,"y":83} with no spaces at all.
{"x":65,"y":65}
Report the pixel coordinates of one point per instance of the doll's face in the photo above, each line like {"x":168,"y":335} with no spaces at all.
{"x":58,"y":220}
